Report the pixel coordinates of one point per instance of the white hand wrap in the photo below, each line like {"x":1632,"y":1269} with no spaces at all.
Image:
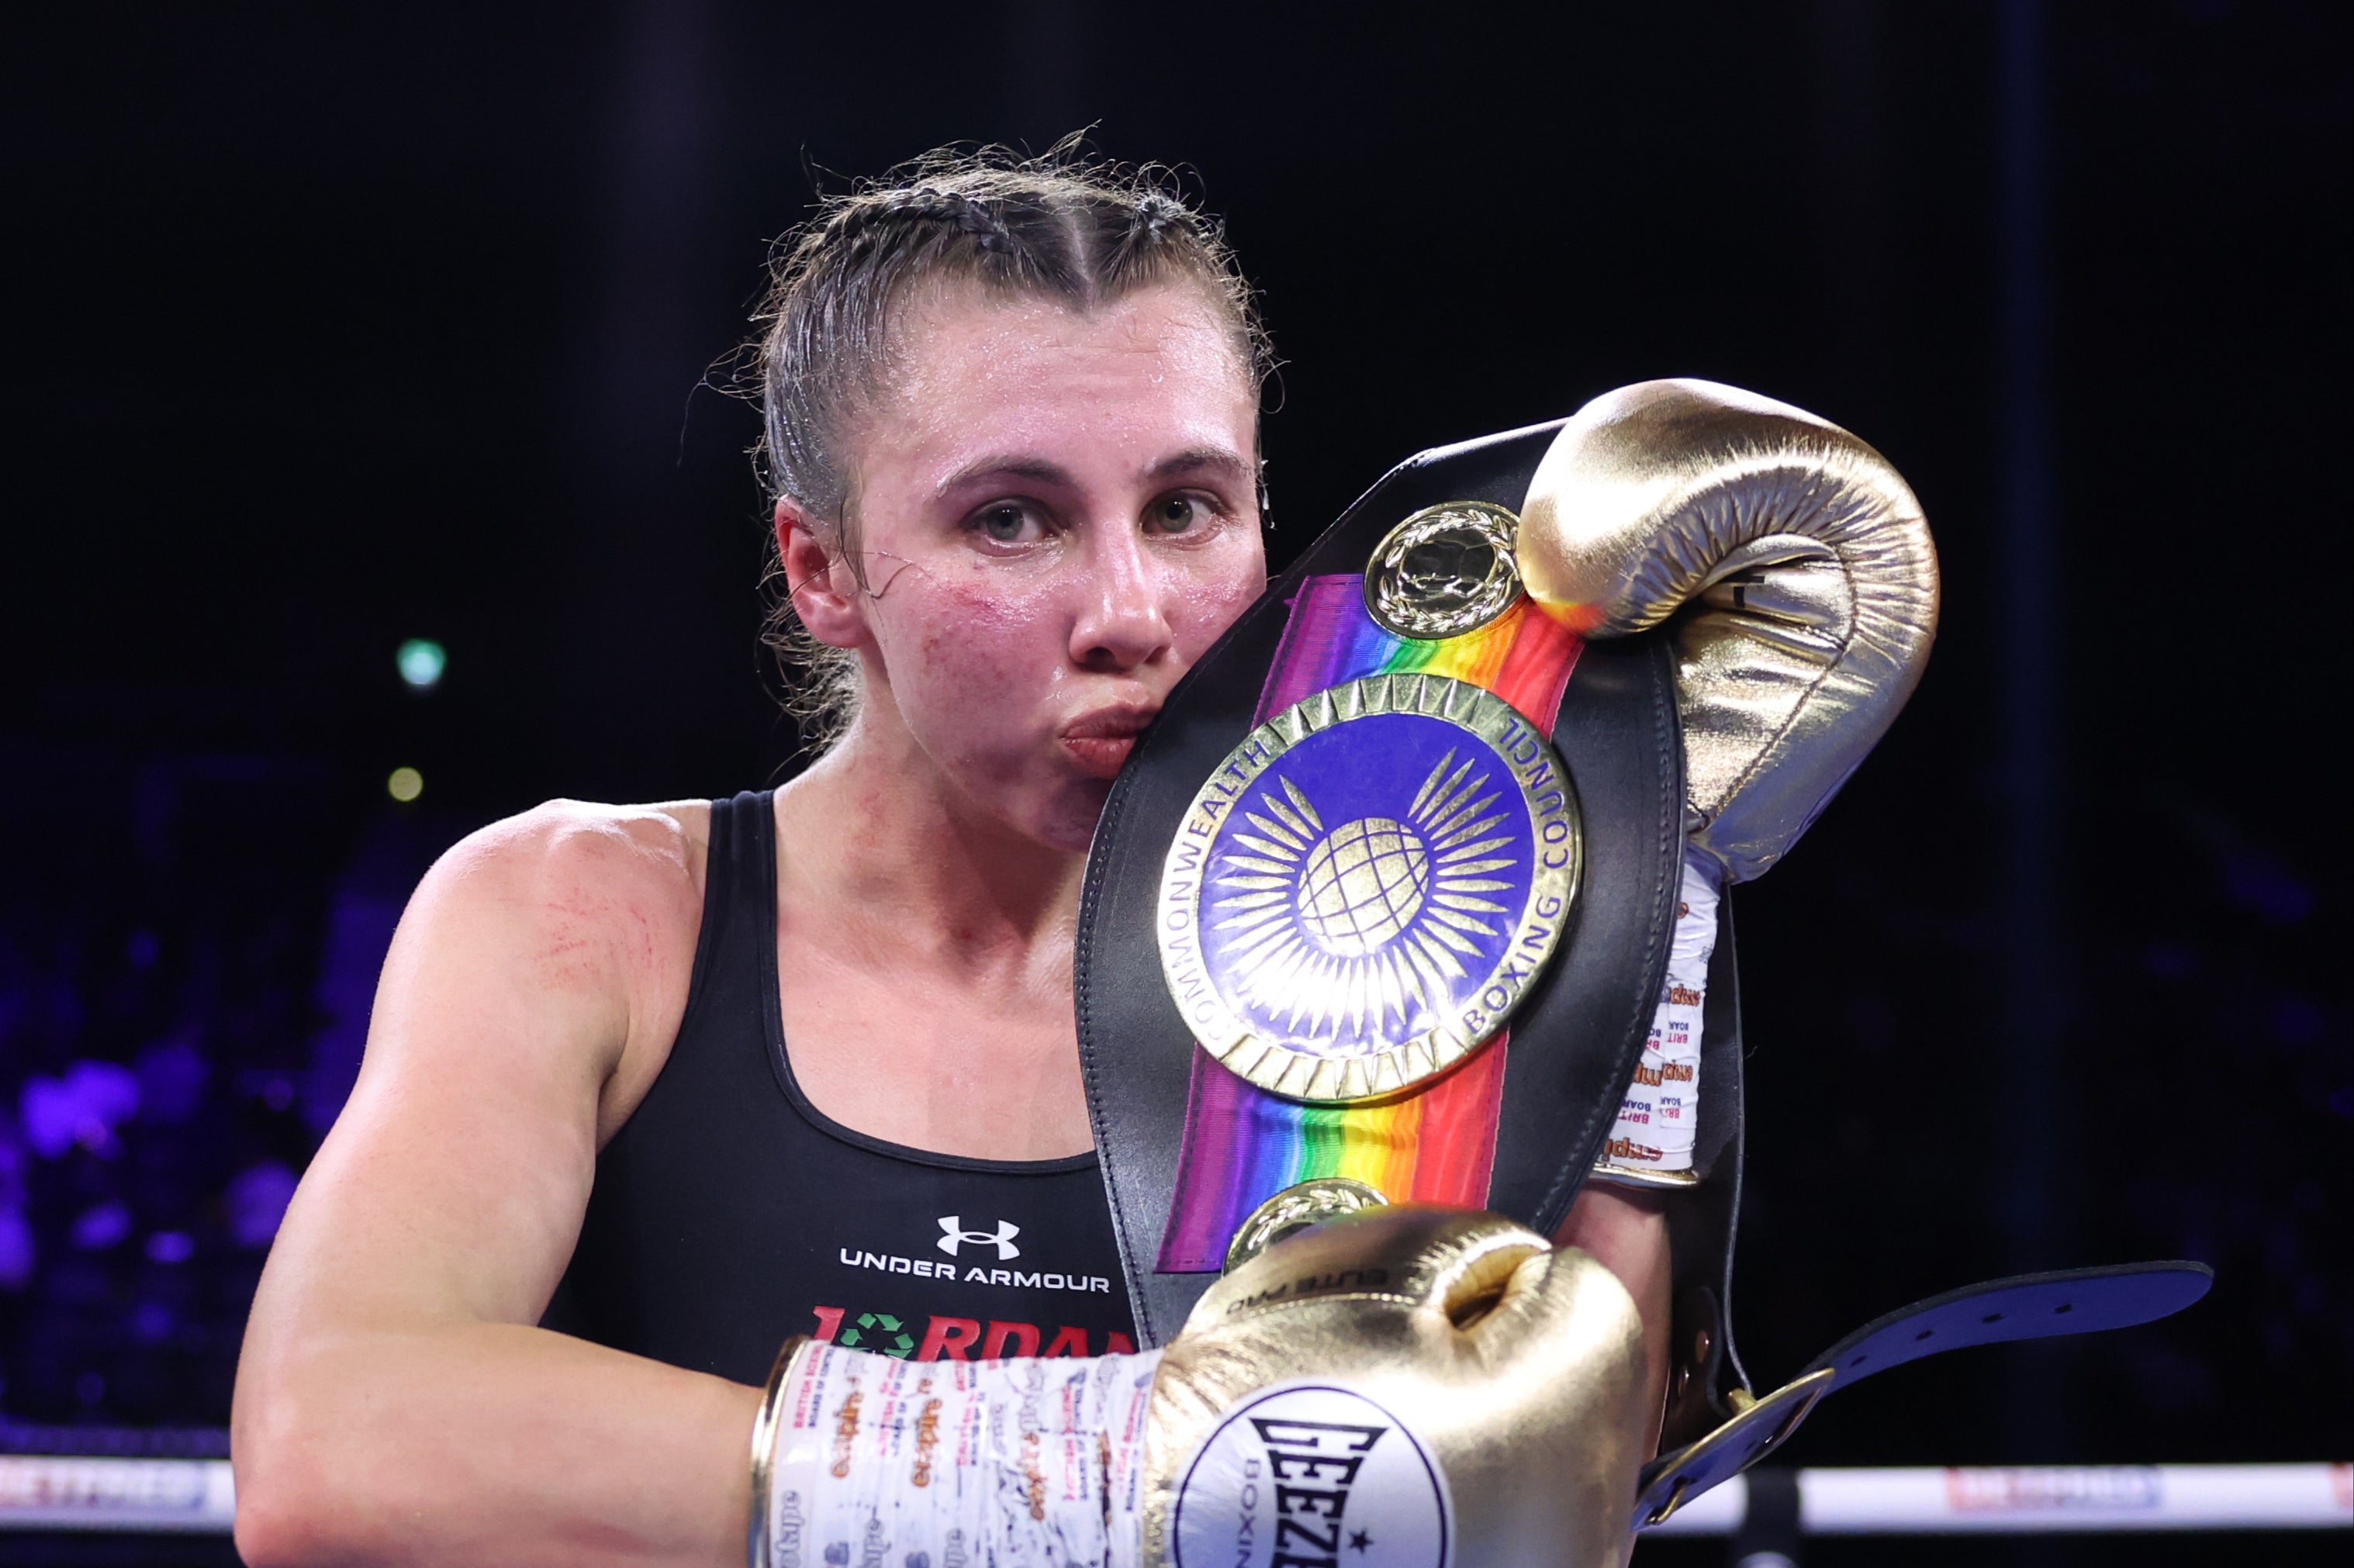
{"x":963,"y":1464}
{"x":1652,"y":1143}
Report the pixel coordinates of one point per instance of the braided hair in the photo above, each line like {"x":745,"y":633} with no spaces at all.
{"x":1059,"y":224}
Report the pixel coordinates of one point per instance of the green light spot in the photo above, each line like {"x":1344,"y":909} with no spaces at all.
{"x":422,"y":662}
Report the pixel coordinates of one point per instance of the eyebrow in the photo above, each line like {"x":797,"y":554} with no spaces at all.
{"x":1217,"y":460}
{"x":1198,"y":460}
{"x":1008,"y":466}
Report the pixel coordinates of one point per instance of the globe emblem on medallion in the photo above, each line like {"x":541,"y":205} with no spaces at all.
{"x":1360,"y":894}
{"x":1366,"y":882}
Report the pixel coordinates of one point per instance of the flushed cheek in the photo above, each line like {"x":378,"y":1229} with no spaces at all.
{"x":982,"y":662}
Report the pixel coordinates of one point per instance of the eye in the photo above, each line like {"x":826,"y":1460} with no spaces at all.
{"x":1009,"y":522}
{"x":1182,"y":513}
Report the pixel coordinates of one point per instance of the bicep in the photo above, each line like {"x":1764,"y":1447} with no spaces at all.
{"x":451,"y":1187}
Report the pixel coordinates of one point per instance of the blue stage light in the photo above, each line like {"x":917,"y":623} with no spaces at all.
{"x":422,"y":662}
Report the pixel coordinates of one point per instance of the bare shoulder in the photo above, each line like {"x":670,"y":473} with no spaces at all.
{"x":588,"y":910}
{"x":579,"y":858}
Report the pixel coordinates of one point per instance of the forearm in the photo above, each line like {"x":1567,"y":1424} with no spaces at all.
{"x":486,"y":1443}
{"x":1626,"y":1229}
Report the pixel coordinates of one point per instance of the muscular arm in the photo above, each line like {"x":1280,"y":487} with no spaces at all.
{"x":394,"y":1402}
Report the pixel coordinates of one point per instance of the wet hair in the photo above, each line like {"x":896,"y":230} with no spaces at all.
{"x":1061,"y":225}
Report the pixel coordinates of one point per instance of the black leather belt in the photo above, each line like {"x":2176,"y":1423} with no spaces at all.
{"x":1580,"y":1029}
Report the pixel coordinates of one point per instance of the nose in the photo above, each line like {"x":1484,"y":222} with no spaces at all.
{"x":1121,"y":624}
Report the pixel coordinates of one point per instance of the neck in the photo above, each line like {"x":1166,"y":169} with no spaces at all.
{"x":877,"y":838}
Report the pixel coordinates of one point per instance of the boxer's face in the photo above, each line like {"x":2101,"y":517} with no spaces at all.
{"x":1057,"y":514}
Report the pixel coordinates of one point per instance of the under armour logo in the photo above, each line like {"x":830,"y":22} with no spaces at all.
{"x":953,"y":1236}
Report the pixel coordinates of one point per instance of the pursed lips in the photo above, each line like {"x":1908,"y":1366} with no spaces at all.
{"x":1102,"y":740}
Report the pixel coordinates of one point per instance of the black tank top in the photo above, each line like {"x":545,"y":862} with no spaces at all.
{"x":729,"y":1212}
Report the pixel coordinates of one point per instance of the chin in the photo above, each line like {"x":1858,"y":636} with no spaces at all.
{"x":1069,"y":824}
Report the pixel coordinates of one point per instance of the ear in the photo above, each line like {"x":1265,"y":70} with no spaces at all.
{"x":824,"y":591}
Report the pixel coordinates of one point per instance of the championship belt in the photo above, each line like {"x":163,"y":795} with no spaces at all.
{"x":1407,"y":893}
{"x":1384,"y":897}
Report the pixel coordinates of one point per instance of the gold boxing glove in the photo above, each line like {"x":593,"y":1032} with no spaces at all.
{"x":1408,"y":1385}
{"x":1807,"y":568}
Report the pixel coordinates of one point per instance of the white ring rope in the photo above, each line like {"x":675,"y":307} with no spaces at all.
{"x":2046,"y":1500}
{"x":43,"y":1492}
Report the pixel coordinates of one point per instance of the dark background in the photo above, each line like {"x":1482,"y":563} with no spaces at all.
{"x":333,"y":326}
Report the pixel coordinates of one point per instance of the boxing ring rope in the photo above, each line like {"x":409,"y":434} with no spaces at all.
{"x":2044,"y":1500}
{"x":196,"y":1497}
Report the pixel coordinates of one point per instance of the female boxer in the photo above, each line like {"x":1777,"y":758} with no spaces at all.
{"x":649,"y":1088}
